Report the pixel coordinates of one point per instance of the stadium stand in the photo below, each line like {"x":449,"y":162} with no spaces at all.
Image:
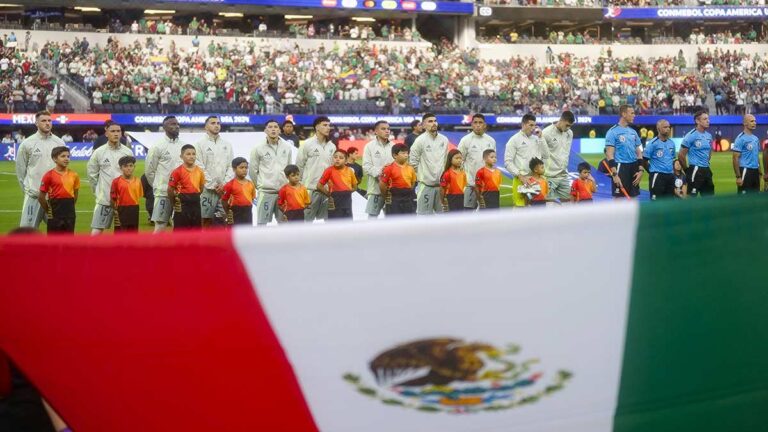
{"x":738,"y":81}
{"x":24,"y":87}
{"x":164,"y":73}
{"x":226,"y":77}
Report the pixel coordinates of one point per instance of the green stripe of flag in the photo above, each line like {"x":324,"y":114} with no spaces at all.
{"x":696,"y":352}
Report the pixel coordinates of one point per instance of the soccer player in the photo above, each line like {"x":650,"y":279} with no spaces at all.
{"x":376,"y":155}
{"x":186,"y":183}
{"x":453,"y":182}
{"x":293,"y":197}
{"x":125,"y":192}
{"x":342,"y":183}
{"x":658,"y":158}
{"x":746,"y":157}
{"x":583,"y":187}
{"x":289,"y":134}
{"x":32,"y":161}
{"x":536,"y":166}
{"x":149,"y":196}
{"x":163,"y":158}
{"x":559,"y":138}
{"x":59,"y":188}
{"x":696,"y":150}
{"x":104,"y":139}
{"x":416,"y":129}
{"x":238,"y":194}
{"x":214,"y":156}
{"x":623,"y":153}
{"x":488,"y":181}
{"x":521,"y":148}
{"x":353,"y":154}
{"x":268,"y":162}
{"x":472,"y":147}
{"x":104,"y":167}
{"x":396,"y":183}
{"x":314,"y":157}
{"x":428,"y":155}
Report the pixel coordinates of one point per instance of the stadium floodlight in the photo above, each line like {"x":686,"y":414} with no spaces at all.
{"x":231,"y":14}
{"x":9,"y":5}
{"x":87,"y":9}
{"x":363,"y":19}
{"x":389,"y":4}
{"x":297,"y":17}
{"x":349,"y":3}
{"x":159,"y":11}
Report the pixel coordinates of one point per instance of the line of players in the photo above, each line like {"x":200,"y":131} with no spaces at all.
{"x":194,"y":183}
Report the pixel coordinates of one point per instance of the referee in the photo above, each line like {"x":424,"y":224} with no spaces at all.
{"x":659,"y":158}
{"x":697,"y":149}
{"x":623,"y":152}
{"x":746,"y":158}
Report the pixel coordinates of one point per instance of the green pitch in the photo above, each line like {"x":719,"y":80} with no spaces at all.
{"x":11,"y":197}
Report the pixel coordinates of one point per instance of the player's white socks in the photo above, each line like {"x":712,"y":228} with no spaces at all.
{"x":95,"y":232}
{"x":160,"y":227}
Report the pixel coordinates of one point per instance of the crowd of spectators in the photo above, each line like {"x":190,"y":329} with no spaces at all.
{"x":721,"y":38}
{"x":266,"y":78}
{"x":554,"y":38}
{"x":260,"y":76}
{"x":325,"y":29}
{"x":257,"y":77}
{"x":585,"y":38}
{"x":23,"y":87}
{"x":738,"y":81}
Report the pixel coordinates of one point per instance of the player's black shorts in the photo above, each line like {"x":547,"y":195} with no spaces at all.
{"x":63,"y":210}
{"x":661,"y":185}
{"x":295,"y":215}
{"x":342,"y":202}
{"x":129,"y":218}
{"x":455,"y":202}
{"x":750,"y":180}
{"x":699,"y":181}
{"x":190,"y":215}
{"x":626,"y":173}
{"x":243,"y":215}
{"x":491,"y":199}
{"x":402,"y":202}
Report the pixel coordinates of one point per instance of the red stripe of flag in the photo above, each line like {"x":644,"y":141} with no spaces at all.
{"x":146,"y":333}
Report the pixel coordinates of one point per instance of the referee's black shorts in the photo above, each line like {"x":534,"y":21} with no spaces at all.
{"x":750,"y":180}
{"x":699,"y":181}
{"x":626,"y":173}
{"x":661,"y":185}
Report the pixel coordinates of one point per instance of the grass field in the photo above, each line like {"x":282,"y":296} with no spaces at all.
{"x":11,"y":197}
